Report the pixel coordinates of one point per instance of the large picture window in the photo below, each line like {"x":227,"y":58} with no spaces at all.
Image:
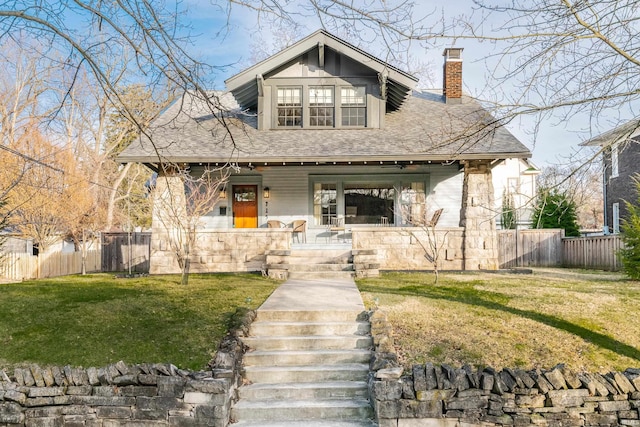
{"x":321,"y":106}
{"x":353,"y":106}
{"x":369,"y":203}
{"x":394,"y":200}
{"x":289,"y":107}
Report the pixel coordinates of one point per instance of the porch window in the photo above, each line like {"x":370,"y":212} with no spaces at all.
{"x":413,"y":203}
{"x":353,"y":106}
{"x":289,"y":107}
{"x":369,"y":203}
{"x":321,"y":106}
{"x":325,"y":204}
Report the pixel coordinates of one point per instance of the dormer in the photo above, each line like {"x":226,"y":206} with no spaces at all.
{"x":321,"y":82}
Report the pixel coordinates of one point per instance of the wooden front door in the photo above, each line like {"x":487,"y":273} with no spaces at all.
{"x":245,"y":206}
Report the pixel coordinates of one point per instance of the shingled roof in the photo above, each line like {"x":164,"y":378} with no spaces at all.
{"x":425,"y":128}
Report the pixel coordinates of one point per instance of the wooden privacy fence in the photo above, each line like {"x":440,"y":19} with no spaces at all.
{"x":530,"y":248}
{"x":595,"y":252}
{"x":549,"y":248}
{"x":121,"y":251}
{"x":24,"y":266}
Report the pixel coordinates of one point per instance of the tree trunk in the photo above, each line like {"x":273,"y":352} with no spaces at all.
{"x":113,"y":195}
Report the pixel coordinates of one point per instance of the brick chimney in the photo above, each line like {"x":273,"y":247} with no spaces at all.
{"x":452,"y":75}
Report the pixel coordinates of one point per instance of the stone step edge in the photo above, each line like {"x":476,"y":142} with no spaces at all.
{"x":303,"y":403}
{"x":359,"y":367}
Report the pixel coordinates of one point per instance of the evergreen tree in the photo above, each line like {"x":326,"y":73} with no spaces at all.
{"x":555,"y":210}
{"x":630,"y":229}
{"x":508,"y":212}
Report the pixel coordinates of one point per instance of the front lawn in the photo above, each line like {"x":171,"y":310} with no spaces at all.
{"x":96,"y":320}
{"x":588,"y":321}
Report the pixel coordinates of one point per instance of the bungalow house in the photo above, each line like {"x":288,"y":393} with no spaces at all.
{"x":621,"y":161}
{"x":338,"y":148}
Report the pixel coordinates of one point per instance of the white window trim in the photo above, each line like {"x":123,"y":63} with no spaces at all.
{"x":614,"y":160}
{"x":615,"y":208}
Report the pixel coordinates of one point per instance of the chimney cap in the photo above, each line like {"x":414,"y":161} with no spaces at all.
{"x":453,"y":53}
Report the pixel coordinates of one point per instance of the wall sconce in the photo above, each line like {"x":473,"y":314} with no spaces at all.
{"x":223,"y":193}
{"x":266,"y":192}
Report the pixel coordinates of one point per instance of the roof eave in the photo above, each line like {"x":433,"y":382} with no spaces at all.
{"x":331,"y":159}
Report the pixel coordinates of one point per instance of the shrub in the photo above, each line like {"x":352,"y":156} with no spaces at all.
{"x":630,"y":232}
{"x":555,"y":210}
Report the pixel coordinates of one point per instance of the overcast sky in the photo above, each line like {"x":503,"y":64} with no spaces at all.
{"x":556,"y":140}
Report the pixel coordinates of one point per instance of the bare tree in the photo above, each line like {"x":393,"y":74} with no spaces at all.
{"x":181,"y":200}
{"x":562,"y":59}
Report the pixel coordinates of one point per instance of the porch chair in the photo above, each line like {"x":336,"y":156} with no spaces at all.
{"x":300,"y":228}
{"x":434,"y":219}
{"x":336,"y":225}
{"x":274,"y":223}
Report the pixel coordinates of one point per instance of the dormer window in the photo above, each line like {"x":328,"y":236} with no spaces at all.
{"x":353,"y":106}
{"x":321,"y":106}
{"x":290,"y":107}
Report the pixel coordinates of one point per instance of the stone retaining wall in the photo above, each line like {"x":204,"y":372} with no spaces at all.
{"x":234,"y":250}
{"x":121,"y":395}
{"x":439,"y":395}
{"x":401,"y":248}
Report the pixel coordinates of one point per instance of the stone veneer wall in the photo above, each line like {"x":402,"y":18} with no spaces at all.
{"x":442,"y":396}
{"x":399,"y":248}
{"x":120,"y":395}
{"x":233,"y":250}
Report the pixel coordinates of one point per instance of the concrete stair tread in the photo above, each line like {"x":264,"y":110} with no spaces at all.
{"x":303,"y":403}
{"x":310,"y":322}
{"x":355,"y":351}
{"x":310,"y":368}
{"x":315,"y":385}
{"x":306,"y":423}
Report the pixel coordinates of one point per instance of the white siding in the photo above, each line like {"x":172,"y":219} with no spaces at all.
{"x":290,"y":193}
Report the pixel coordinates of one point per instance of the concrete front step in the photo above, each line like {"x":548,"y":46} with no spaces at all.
{"x":313,"y":390}
{"x":321,"y":275}
{"x":306,"y":423}
{"x":311,"y":373}
{"x":307,"y":316}
{"x":285,"y":410}
{"x":312,"y":268}
{"x":310,"y":342}
{"x":308,"y":328}
{"x":305,"y":357}
{"x":321,"y":253}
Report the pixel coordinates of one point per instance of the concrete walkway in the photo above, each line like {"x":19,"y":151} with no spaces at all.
{"x":315,"y":295}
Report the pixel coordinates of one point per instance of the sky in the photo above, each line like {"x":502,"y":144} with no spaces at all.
{"x":556,"y":141}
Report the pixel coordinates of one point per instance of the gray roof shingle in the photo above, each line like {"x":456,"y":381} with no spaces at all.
{"x":424,"y":128}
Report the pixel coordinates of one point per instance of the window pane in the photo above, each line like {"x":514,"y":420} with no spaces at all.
{"x":354,"y":116}
{"x":321,"y":116}
{"x":413,"y":203}
{"x":324,"y":202}
{"x":369,"y":203}
{"x":354,"y":96}
{"x":320,"y":95}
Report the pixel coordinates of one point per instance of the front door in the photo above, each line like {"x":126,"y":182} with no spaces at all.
{"x":245,"y":206}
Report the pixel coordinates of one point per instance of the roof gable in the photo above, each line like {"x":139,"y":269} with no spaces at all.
{"x":245,"y":85}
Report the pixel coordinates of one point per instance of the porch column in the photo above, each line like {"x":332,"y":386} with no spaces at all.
{"x":169,"y":202}
{"x":478,"y":218}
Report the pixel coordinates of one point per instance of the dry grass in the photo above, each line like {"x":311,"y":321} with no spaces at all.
{"x":588,"y":321}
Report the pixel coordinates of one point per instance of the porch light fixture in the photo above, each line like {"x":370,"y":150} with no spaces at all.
{"x":223,"y":193}
{"x":265,"y":192}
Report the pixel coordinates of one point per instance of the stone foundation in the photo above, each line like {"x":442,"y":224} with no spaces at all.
{"x":234,"y":250}
{"x":401,"y":248}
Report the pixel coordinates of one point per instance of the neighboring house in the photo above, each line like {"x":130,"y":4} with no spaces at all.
{"x":16,"y":244}
{"x":621,"y":161}
{"x":326,"y":133}
{"x":516,"y":179}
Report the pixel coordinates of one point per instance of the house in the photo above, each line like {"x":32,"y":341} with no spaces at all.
{"x":621,"y":161}
{"x":325,"y":133}
{"x":515,"y":179}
